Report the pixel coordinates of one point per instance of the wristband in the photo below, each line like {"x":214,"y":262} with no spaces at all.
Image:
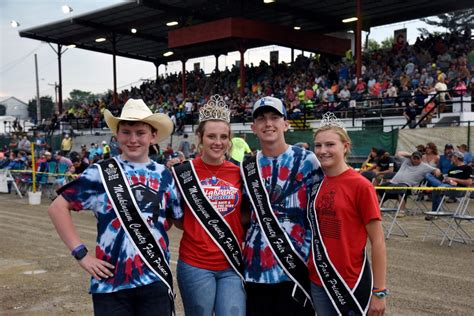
{"x":380,"y":293}
{"x":79,"y":252}
{"x":75,"y":250}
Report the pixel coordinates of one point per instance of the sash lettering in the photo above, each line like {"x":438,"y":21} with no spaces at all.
{"x":126,"y":208}
{"x":206,"y":214}
{"x":288,"y":259}
{"x":344,"y":300}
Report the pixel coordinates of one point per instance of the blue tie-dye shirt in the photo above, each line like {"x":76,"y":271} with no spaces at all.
{"x":155,"y":192}
{"x":288,"y":180}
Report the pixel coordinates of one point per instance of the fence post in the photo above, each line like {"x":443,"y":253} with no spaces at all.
{"x":469,"y":135}
{"x":391,"y":137}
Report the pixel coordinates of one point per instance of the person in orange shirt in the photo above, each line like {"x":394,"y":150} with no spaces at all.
{"x":210,"y":264}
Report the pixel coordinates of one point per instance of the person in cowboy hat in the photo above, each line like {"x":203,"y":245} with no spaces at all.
{"x":123,"y":280}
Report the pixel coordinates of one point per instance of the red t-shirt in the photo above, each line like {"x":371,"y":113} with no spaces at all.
{"x":345,"y":205}
{"x":222,"y":185}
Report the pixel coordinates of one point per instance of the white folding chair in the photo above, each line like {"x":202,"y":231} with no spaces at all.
{"x":417,"y":197}
{"x":441,"y":218}
{"x":462,"y":214}
{"x":393,"y":199}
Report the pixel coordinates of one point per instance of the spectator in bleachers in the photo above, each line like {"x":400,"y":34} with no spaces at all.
{"x":40,"y":144}
{"x":442,"y":90}
{"x":410,"y":114}
{"x":13,"y":145}
{"x":24,"y":144}
{"x":66,"y":145}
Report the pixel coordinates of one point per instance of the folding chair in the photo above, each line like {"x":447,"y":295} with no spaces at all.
{"x":440,"y":219}
{"x":461,"y":215}
{"x":369,"y":175}
{"x":393,"y":210}
{"x":417,"y":196}
{"x":10,"y":180}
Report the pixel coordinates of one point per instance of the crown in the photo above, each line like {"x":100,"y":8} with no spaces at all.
{"x":214,"y":109}
{"x":330,"y":119}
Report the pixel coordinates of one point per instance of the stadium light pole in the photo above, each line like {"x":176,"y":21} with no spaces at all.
{"x":59,"y":53}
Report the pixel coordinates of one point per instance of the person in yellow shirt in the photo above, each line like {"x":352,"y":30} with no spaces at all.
{"x":239,"y":149}
{"x":66,"y":145}
{"x":105,"y":150}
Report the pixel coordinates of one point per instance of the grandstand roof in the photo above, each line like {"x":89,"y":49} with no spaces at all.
{"x":149,"y":17}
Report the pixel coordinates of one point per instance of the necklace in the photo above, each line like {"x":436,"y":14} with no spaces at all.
{"x":213,"y":174}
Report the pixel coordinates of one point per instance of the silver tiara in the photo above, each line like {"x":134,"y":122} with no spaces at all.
{"x":330,"y":119}
{"x":214,"y":109}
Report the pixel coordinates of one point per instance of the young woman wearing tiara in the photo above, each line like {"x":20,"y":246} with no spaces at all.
{"x":343,"y":212}
{"x":210,"y":262}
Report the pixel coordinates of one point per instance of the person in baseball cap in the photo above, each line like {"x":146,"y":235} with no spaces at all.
{"x":266,"y":104}
{"x":286,"y":172}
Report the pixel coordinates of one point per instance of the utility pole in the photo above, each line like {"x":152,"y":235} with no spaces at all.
{"x":38,"y":103}
{"x":56,"y":88}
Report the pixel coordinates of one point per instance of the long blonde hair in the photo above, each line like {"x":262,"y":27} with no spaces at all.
{"x":201,"y":129}
{"x":343,"y":135}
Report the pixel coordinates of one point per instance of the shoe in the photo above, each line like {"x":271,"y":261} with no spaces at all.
{"x":429,"y":218}
{"x":451,"y":200}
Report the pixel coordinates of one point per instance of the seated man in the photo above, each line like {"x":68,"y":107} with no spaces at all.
{"x":444,"y":163}
{"x":458,"y":176}
{"x":412,"y":171}
{"x":384,"y":164}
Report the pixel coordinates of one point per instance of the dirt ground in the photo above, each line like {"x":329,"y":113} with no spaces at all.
{"x":39,"y":277}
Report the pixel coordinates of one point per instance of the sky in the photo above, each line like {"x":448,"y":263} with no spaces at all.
{"x":91,"y":71}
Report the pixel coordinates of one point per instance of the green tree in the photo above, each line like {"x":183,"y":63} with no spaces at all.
{"x":372,"y":45}
{"x":47,"y":107}
{"x":3,"y":110}
{"x":387,"y":43}
{"x":452,"y":22}
{"x":80,"y":97}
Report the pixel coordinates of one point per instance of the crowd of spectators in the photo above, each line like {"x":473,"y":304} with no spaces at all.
{"x":396,"y":77}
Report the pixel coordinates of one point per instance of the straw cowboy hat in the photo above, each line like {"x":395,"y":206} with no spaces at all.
{"x":136,"y":110}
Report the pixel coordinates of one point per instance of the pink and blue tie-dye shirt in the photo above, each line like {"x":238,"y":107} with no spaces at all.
{"x":155,"y":192}
{"x":288,"y":180}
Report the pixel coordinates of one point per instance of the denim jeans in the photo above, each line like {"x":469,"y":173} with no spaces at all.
{"x":322,"y":302}
{"x":206,"y":291}
{"x":151,"y":299}
{"x":436,"y":196}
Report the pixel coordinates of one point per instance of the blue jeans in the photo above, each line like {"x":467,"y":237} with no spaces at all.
{"x":206,"y":291}
{"x":322,"y":302}
{"x":436,"y":196}
{"x":151,"y":299}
